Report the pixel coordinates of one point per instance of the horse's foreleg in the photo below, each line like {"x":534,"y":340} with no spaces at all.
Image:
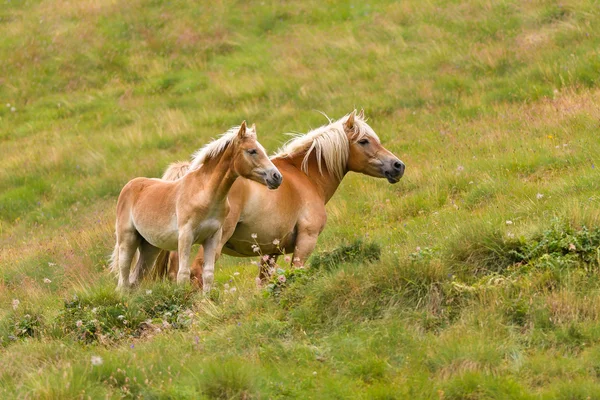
{"x":228,"y":229}
{"x":184,"y":247}
{"x":210,"y":246}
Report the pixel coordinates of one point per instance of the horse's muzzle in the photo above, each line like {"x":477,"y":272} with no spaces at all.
{"x":273,"y":179}
{"x":395,"y":171}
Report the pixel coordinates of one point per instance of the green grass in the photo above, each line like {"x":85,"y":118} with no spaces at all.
{"x":475,"y":277}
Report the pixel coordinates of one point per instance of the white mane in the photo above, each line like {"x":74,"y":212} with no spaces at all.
{"x":330,"y":144}
{"x":214,"y":148}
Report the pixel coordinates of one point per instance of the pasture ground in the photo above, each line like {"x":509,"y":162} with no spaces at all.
{"x":488,"y":281}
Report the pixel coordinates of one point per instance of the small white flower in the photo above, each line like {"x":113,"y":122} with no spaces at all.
{"x":276,"y":242}
{"x":539,"y":196}
{"x":121,"y":317}
{"x":509,"y":222}
{"x":296,"y":259}
{"x":148,"y":291}
{"x":12,"y":109}
{"x":125,"y":322}
{"x":51,"y":264}
{"x":471,"y":182}
{"x":236,"y":273}
{"x":79,"y":323}
{"x":15,"y":304}
{"x":94,"y":310}
{"x":233,"y":290}
{"x":510,"y":235}
{"x":8,"y":105}
{"x":253,"y":262}
{"x":418,"y":248}
{"x":47,"y":281}
{"x":96,"y":360}
{"x":226,"y":286}
{"x":314,"y":372}
{"x":460,"y":168}
{"x":254,"y":236}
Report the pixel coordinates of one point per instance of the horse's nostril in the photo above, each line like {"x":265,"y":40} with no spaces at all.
{"x":277,"y":176}
{"x":398,"y":165}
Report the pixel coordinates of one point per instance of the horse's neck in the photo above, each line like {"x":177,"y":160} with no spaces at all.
{"x":325,"y":183}
{"x":217,"y":175}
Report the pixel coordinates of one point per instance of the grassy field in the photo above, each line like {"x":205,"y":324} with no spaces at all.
{"x":487,"y":286}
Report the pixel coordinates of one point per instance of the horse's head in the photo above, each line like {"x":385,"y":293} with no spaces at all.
{"x":367,"y":155}
{"x":251,"y":160}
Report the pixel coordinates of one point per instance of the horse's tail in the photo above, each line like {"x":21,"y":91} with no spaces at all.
{"x":160,"y":269}
{"x":114,"y":260}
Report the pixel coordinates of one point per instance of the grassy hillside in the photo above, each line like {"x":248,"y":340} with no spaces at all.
{"x":488,"y":282}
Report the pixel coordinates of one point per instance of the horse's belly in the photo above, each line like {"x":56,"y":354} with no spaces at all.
{"x":275,"y":241}
{"x":163,"y":239}
{"x":162,"y":234}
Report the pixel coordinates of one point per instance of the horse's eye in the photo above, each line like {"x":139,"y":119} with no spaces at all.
{"x":363,"y":141}
{"x":252,"y":152}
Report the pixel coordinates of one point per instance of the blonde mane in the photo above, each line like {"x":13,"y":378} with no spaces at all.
{"x":330,"y":144}
{"x":214,"y":148}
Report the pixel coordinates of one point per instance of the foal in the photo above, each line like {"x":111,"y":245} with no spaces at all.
{"x":154,"y":214}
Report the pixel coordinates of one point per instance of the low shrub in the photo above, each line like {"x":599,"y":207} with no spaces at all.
{"x":355,"y":252}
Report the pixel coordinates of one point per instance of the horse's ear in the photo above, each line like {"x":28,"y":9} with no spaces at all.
{"x":361,"y":114}
{"x":254,"y":128}
{"x":350,"y":121}
{"x":242,"y":132}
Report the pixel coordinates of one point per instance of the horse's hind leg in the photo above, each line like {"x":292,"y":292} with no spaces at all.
{"x":305,"y":243}
{"x":264,"y":267}
{"x":173,"y":265}
{"x":128,"y":243}
{"x":148,"y":254}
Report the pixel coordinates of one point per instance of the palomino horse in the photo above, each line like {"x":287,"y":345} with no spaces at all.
{"x":291,"y":218}
{"x":154,"y":214}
